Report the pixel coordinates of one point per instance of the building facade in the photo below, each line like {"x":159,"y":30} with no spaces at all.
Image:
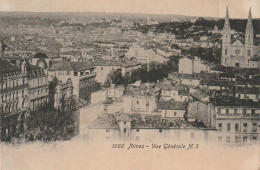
{"x":239,"y":52}
{"x":14,"y":101}
{"x":38,"y":85}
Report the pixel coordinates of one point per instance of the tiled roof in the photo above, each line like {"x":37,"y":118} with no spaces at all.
{"x":170,"y":105}
{"x":5,"y":67}
{"x":106,"y":122}
{"x":40,"y":55}
{"x":248,"y":90}
{"x":113,"y":63}
{"x":231,"y":101}
{"x":70,"y":66}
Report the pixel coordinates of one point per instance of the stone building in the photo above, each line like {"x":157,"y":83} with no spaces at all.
{"x":63,"y":92}
{"x":14,"y":99}
{"x":239,"y":52}
{"x":38,"y":85}
{"x":81,"y":74}
{"x":237,"y":120}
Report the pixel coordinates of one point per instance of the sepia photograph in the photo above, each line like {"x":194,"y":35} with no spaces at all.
{"x":130,"y":85}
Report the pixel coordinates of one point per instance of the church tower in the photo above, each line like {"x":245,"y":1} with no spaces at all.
{"x":249,"y":37}
{"x":226,"y":41}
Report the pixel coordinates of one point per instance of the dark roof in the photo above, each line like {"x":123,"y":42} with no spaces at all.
{"x":231,"y":101}
{"x":34,"y":71}
{"x":40,"y":55}
{"x":70,"y":66}
{"x":106,"y":122}
{"x":245,"y":90}
{"x":6,"y":66}
{"x":114,"y":63}
{"x":170,"y":105}
{"x":212,"y":82}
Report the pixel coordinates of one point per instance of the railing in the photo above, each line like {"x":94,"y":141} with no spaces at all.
{"x":14,"y":87}
{"x":88,"y":75}
{"x":226,"y":115}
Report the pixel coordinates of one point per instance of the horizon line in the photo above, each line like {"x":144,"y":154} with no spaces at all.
{"x":120,"y":13}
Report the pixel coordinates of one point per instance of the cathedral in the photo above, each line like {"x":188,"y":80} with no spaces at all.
{"x":239,"y":52}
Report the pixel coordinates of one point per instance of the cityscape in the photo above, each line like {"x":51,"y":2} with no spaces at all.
{"x":129,"y":77}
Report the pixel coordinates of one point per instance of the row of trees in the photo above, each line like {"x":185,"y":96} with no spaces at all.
{"x":237,"y":24}
{"x":212,"y":55}
{"x":155,"y":71}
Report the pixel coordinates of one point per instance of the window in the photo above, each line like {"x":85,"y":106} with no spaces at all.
{"x":137,"y":130}
{"x":245,"y":128}
{"x":245,"y":139}
{"x":175,"y":113}
{"x":101,"y":68}
{"x":227,"y":111}
{"x":228,"y":139}
{"x":160,"y":130}
{"x":228,"y":127}
{"x":107,"y":130}
{"x":147,"y":103}
{"x":220,"y":126}
{"x":253,"y":111}
{"x":235,"y":111}
{"x":225,"y":51}
{"x":137,"y":102}
{"x":248,"y":53}
{"x":75,"y":73}
{"x":236,"y":139}
{"x":254,"y":130}
{"x":244,"y":111}
{"x":236,"y":127}
{"x":38,"y":81}
{"x":124,"y":130}
{"x":220,"y":139}
{"x":219,"y":110}
{"x":124,"y":123}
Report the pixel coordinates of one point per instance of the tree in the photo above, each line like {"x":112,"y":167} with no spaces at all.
{"x":116,"y":77}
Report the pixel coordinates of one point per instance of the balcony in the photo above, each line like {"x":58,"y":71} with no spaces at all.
{"x":87,"y":75}
{"x":228,"y":115}
{"x":236,"y":116}
{"x":11,"y":88}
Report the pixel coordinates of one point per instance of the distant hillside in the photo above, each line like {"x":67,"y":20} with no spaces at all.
{"x":236,"y":24}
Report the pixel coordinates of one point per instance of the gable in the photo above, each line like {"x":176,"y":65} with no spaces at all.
{"x":237,"y":43}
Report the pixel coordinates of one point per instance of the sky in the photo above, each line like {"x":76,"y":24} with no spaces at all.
{"x":203,"y":8}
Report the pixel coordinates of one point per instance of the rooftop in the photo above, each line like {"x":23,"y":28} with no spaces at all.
{"x":6,"y":67}
{"x":231,"y":101}
{"x":70,"y":66}
{"x":40,"y":55}
{"x":170,"y":105}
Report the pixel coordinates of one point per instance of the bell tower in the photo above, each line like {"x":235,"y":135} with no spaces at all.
{"x":249,"y":36}
{"x":226,"y":41}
